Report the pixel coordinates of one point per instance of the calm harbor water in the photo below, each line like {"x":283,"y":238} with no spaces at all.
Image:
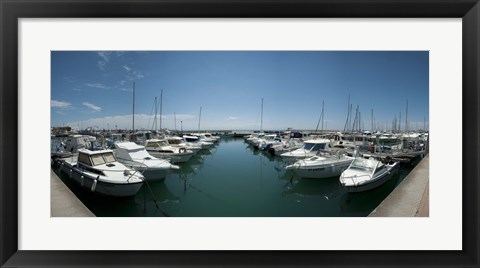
{"x":233,"y":180}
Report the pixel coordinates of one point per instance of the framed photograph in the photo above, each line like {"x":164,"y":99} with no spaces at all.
{"x":239,"y":133}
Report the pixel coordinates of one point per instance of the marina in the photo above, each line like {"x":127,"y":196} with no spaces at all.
{"x":215,"y":183}
{"x":225,"y":159}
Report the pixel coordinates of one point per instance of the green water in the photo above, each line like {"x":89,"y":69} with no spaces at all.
{"x":233,"y":180}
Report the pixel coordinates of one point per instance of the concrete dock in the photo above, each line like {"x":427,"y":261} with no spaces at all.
{"x":410,"y":198}
{"x":64,"y":203}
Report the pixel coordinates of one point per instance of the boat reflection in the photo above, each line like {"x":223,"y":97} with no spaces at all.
{"x":329,"y":188}
{"x":360,"y":204}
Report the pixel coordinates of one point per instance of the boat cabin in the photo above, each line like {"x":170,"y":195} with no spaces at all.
{"x":131,"y":151}
{"x":174,"y":140}
{"x":156,"y":143}
{"x":76,"y":142}
{"x":96,"y":158}
{"x":316,"y":145}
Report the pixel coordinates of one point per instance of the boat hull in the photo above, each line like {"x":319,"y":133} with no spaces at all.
{"x":100,"y":187}
{"x":153,"y":175}
{"x":174,"y":157}
{"x":376,"y":182}
{"x":322,"y":171}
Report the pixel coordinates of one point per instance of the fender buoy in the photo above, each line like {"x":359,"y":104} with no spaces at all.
{"x":182,"y":150}
{"x":94,"y":185}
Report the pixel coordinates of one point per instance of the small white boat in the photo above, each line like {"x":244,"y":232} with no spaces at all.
{"x":366,"y":174}
{"x":100,"y":172}
{"x":254,"y":137}
{"x":211,"y":138}
{"x":136,"y":157}
{"x":180,"y":142}
{"x":267,"y":140}
{"x":161,"y":149}
{"x":285,"y":146}
{"x":190,"y":138}
{"x":77,"y":142}
{"x":321,"y":166}
{"x":309,"y":148}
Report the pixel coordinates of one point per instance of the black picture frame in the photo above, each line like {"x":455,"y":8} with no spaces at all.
{"x":11,"y":11}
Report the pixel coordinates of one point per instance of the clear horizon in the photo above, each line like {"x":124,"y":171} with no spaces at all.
{"x":94,"y":89}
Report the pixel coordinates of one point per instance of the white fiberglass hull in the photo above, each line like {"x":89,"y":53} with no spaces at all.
{"x":291,"y":157}
{"x":328,"y":169}
{"x":377,"y":180}
{"x":153,"y":174}
{"x":96,"y":185}
{"x":174,"y":157}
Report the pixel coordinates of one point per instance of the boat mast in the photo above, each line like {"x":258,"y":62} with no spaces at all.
{"x":175,"y":120}
{"x":133,"y":111}
{"x":161,"y":102}
{"x":199,"y":118}
{"x":323,"y":105}
{"x":372,"y":120}
{"x":406,"y":116}
{"x":320,"y":118}
{"x":348,"y":114}
{"x":400,"y":123}
{"x":261,"y":118}
{"x":155,"y":117}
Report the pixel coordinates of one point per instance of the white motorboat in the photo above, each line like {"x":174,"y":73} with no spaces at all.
{"x":309,"y":148}
{"x":201,"y":140}
{"x":285,"y":146}
{"x":269,"y":139}
{"x":323,"y":165}
{"x":180,"y":142}
{"x":136,"y":157}
{"x":254,"y":137}
{"x":190,"y":138}
{"x":366,"y":174}
{"x":101,"y":173}
{"x":77,"y":142}
{"x":211,"y":137}
{"x":161,"y":149}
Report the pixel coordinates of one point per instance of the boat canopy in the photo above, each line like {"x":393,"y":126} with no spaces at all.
{"x":131,"y":151}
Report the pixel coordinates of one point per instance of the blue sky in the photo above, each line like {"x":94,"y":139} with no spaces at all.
{"x":94,"y":88}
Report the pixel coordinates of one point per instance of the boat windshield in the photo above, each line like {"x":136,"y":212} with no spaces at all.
{"x":153,"y":144}
{"x":318,"y":147}
{"x":97,"y":159}
{"x":105,"y":158}
{"x":174,"y":141}
{"x":363,"y":164}
{"x":109,"y":158}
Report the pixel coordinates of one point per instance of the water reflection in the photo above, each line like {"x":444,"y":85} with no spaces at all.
{"x":360,"y":204}
{"x":233,"y":179}
{"x":314,"y":187}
